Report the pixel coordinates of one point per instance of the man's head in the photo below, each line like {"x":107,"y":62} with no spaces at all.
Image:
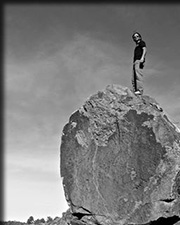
{"x":136,"y":37}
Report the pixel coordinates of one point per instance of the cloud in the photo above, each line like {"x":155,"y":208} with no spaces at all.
{"x":33,"y":167}
{"x":61,"y":81}
{"x":92,"y":64}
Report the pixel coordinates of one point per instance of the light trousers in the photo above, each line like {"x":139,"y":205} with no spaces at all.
{"x":137,"y":77}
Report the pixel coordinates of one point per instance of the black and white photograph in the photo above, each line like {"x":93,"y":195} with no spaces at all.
{"x":91,"y":113}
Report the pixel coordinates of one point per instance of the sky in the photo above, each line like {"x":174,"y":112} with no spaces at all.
{"x":55,"y":57}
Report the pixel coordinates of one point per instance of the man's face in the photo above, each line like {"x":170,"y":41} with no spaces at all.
{"x":136,"y":38}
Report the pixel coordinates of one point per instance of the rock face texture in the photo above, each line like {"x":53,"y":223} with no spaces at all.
{"x":120,"y":160}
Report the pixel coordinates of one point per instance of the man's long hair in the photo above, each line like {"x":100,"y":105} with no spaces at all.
{"x":137,"y":34}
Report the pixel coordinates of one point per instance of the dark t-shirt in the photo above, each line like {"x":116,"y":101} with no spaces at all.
{"x":138,"y":51}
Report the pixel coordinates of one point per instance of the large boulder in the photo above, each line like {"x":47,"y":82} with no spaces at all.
{"x":120,"y":160}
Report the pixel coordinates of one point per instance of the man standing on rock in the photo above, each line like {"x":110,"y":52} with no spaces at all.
{"x":138,"y":63}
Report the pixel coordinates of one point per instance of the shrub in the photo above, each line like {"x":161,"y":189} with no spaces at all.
{"x":30,"y":220}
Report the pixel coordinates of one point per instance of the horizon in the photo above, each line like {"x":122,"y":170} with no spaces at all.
{"x":55,"y":57}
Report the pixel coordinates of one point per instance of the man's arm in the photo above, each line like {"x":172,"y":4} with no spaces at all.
{"x":143,"y":54}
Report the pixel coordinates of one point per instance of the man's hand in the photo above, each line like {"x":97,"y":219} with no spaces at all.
{"x":141,"y":60}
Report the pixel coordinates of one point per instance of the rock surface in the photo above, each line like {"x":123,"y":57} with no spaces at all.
{"x":120,"y":160}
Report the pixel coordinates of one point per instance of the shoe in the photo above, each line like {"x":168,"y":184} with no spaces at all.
{"x":137,"y":93}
